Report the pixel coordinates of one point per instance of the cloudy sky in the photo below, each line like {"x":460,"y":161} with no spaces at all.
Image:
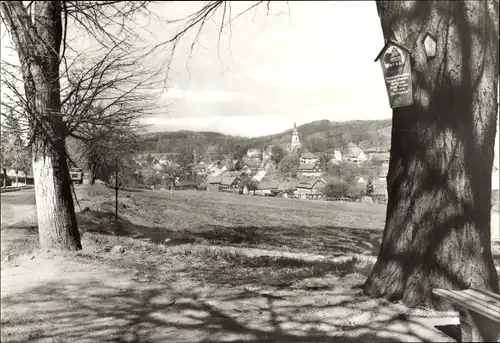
{"x":308,"y":61}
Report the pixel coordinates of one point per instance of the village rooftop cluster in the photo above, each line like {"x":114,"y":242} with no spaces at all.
{"x":259,"y":174}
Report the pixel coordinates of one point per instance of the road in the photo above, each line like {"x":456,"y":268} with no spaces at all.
{"x":18,"y":218}
{"x":18,"y":208}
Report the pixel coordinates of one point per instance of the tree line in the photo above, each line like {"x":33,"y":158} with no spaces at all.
{"x":317,"y":136}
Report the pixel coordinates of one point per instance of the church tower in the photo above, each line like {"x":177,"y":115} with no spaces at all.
{"x":295,"y":139}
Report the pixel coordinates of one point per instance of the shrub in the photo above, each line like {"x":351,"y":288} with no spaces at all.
{"x":336,"y":189}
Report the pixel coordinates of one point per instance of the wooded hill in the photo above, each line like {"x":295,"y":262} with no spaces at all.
{"x":316,"y":136}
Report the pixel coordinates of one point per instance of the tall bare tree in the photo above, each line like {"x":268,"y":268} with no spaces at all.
{"x":39,"y":31}
{"x":38,"y":44}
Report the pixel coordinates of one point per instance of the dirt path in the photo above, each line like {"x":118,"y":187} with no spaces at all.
{"x":91,"y":298}
{"x":18,"y":218}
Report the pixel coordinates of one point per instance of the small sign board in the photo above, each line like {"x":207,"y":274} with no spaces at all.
{"x":395,"y":61}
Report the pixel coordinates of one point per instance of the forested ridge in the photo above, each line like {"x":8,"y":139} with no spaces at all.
{"x":316,"y":136}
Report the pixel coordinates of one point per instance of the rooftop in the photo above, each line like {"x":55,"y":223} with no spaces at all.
{"x":307,"y":166}
{"x":309,"y":155}
{"x":228,"y":180}
{"x":267,"y":185}
{"x":309,"y":183}
{"x":214,"y":179}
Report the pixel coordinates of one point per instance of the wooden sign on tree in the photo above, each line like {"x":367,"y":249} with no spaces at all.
{"x":395,"y":61}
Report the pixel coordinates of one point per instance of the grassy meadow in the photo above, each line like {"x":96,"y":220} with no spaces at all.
{"x":292,"y":225}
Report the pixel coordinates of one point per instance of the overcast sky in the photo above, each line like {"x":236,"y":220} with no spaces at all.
{"x":317,"y":62}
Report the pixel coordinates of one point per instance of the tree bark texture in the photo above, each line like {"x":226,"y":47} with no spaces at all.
{"x":38,"y":46}
{"x":437,"y":231}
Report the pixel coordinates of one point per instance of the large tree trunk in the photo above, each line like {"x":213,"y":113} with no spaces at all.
{"x":4,"y":177}
{"x":437,"y":231}
{"x":38,"y":46}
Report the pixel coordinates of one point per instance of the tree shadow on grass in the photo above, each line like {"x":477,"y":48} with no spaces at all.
{"x":104,"y":223}
{"x":328,"y":241}
{"x":103,"y":310}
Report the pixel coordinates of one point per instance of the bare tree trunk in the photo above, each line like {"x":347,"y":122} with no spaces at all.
{"x":4,"y":177}
{"x":38,"y":45}
{"x":93,"y":173}
{"x":17,"y":178}
{"x":437,"y":231}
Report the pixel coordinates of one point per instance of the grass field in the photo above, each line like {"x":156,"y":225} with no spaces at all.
{"x":293,"y":225}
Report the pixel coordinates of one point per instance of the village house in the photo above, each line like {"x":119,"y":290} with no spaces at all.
{"x":383,"y":157}
{"x":259,"y":176}
{"x":270,"y":167}
{"x":309,"y":158}
{"x":266,"y":188}
{"x":213,"y":182}
{"x":309,"y":170}
{"x":374,"y":151}
{"x":216,"y":170}
{"x":239,"y":173}
{"x":254,"y":153}
{"x":310,"y":189}
{"x":352,"y":153}
{"x":202,"y":167}
{"x":287,"y":186}
{"x":335,"y":157}
{"x":360,"y":181}
{"x":380,"y":194}
{"x":185,"y":185}
{"x":246,"y":170}
{"x":371,"y":151}
{"x":230,"y":184}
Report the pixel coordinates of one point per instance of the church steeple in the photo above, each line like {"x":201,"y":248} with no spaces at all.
{"x":295,"y":138}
